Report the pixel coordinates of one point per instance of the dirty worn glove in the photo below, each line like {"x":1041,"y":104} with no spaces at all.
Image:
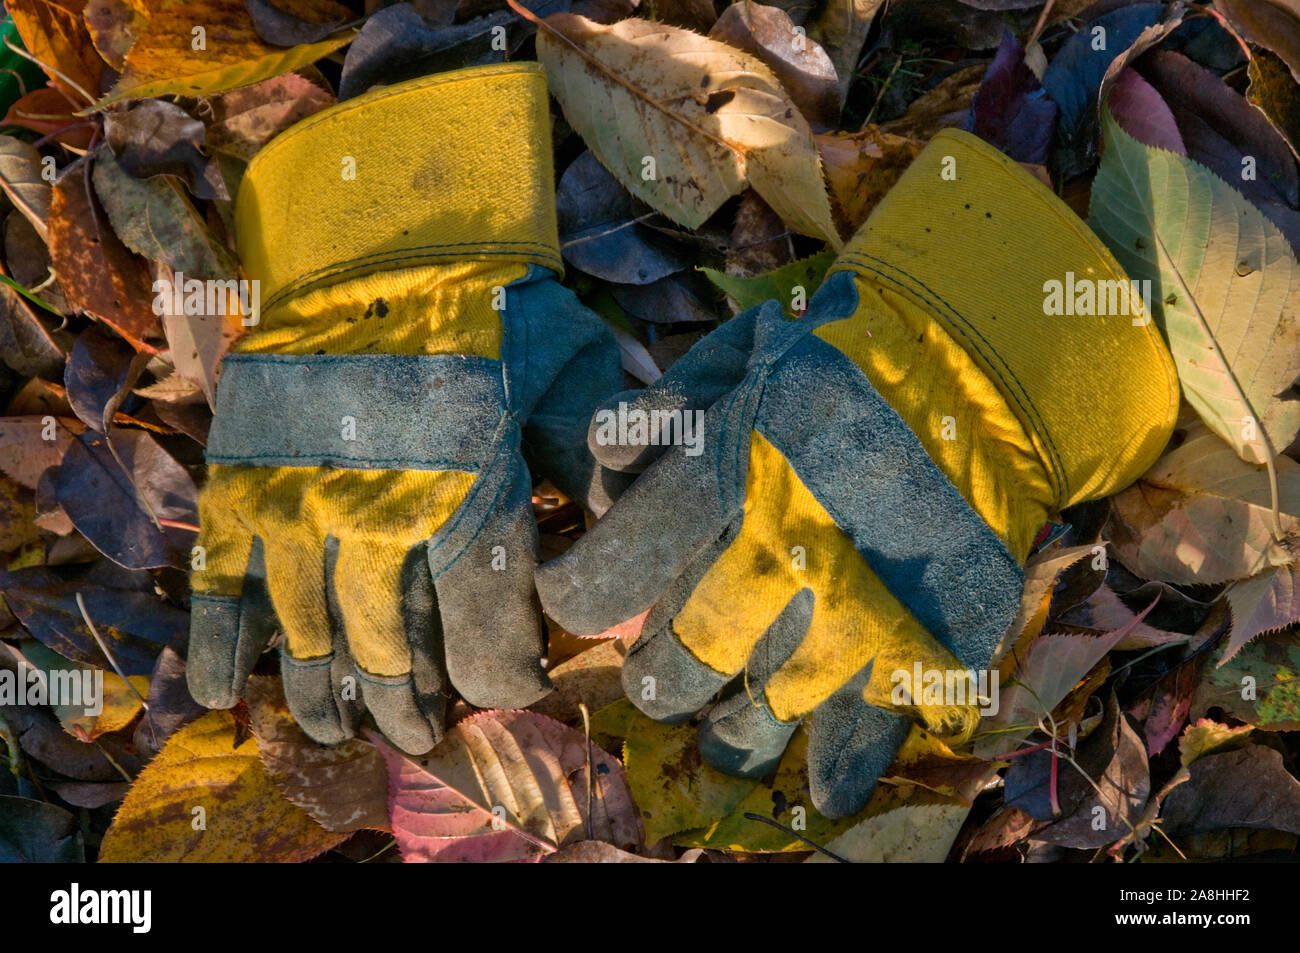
{"x":366,"y":493}
{"x":870,"y":477}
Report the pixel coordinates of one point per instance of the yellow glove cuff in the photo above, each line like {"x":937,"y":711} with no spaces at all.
{"x":1075,"y":355}
{"x":451,"y":167}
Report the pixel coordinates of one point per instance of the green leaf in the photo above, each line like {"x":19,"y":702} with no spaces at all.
{"x":154,"y":219}
{"x":1225,"y":283}
{"x":806,"y":273}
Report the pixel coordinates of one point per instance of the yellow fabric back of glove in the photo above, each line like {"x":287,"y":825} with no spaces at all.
{"x":927,"y":376}
{"x":855,"y":618}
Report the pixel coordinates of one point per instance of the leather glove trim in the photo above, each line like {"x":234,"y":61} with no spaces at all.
{"x":357,"y":411}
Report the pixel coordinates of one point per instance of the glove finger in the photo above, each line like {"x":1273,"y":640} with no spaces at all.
{"x":314,"y":662}
{"x":368,"y":584}
{"x":712,"y":368}
{"x":229,"y":632}
{"x":660,"y":675}
{"x":622,"y":566}
{"x":850,"y":745}
{"x":741,"y":735}
{"x":492,"y":624}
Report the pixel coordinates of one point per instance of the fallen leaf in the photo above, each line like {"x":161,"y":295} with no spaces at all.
{"x":603,"y":230}
{"x":113,"y":26}
{"x":20,"y":177}
{"x":1011,"y":110}
{"x":671,"y":783}
{"x":1228,"y":136}
{"x":53,"y":32}
{"x":1227,"y":288}
{"x":244,"y":120}
{"x":1114,"y":759}
{"x":1141,"y":112}
{"x":1264,"y":603}
{"x":113,"y":495}
{"x":203,"y":774}
{"x":134,"y":625}
{"x":1273,"y":90}
{"x":711,"y":119}
{"x":803,"y":67}
{"x":100,"y":373}
{"x":397,"y":44}
{"x":1207,"y":737}
{"x":1259,"y":685}
{"x":156,"y":137}
{"x":861,"y":167}
{"x":788,"y":284}
{"x":37,"y":833}
{"x":1074,"y":78}
{"x":97,"y":272}
{"x":293,"y":22}
{"x":842,"y":29}
{"x":25,"y":453}
{"x":506,"y":786}
{"x":1272,"y":24}
{"x":154,"y":218}
{"x":592,"y":678}
{"x":914,"y":835}
{"x":165,"y":61}
{"x":344,"y":786}
{"x":1215,"y":797}
{"x":1044,"y":676}
{"x":1202,"y":515}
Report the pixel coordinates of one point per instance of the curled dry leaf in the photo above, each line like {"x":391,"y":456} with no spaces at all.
{"x":684,"y":122}
{"x":506,"y":786}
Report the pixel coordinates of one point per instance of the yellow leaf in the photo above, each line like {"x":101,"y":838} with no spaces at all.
{"x":683,"y":121}
{"x":204,"y":799}
{"x":202,"y":47}
{"x":52,"y":32}
{"x":120,"y":706}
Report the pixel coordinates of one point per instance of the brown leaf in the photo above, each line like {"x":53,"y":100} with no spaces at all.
{"x":344,"y":787}
{"x":98,"y":273}
{"x":1248,"y":787}
{"x":244,"y":120}
{"x":861,"y":167}
{"x":800,"y":63}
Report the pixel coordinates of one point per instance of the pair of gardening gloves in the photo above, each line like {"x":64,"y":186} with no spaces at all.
{"x":871,"y":481}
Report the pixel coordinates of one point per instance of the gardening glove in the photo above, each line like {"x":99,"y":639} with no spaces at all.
{"x":871,"y":477}
{"x":366,"y":491}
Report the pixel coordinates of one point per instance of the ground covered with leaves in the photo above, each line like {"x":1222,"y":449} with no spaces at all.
{"x":1150,"y":704}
